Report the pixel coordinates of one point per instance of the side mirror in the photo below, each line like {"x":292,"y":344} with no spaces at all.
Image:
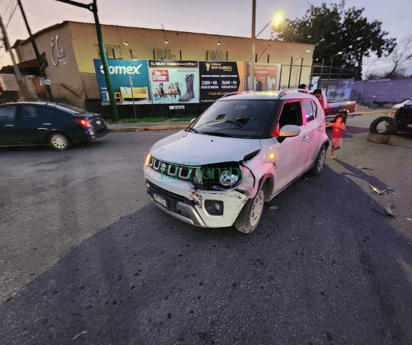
{"x":289,"y":131}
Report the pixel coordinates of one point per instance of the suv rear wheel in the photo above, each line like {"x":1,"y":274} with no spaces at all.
{"x":249,"y":217}
{"x":320,"y":161}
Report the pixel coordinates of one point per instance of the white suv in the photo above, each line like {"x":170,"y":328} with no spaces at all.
{"x":242,"y":151}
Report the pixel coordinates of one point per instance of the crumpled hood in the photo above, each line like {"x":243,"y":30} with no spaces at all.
{"x":184,"y":147}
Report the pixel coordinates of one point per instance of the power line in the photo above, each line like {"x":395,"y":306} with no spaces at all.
{"x":11,"y":16}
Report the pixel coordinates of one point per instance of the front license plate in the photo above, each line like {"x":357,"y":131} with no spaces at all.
{"x":160,"y":199}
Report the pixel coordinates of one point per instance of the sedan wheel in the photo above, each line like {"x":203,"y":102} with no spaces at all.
{"x":59,"y":141}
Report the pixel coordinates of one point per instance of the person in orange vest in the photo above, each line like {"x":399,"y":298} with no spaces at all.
{"x":338,"y":127}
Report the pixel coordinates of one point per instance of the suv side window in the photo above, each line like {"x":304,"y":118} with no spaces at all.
{"x":291,"y":114}
{"x":8,"y":112}
{"x":310,"y":110}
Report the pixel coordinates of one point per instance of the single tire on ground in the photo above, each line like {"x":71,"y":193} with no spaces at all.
{"x":248,"y":219}
{"x":378,"y":138}
{"x":59,"y":141}
{"x":389,"y":128}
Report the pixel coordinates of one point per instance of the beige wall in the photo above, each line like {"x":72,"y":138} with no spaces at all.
{"x":80,"y":45}
{"x":65,"y":76}
{"x":191,"y":46}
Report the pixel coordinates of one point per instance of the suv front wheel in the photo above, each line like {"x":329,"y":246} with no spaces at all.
{"x":249,"y":217}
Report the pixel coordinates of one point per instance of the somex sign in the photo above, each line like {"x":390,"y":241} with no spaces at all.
{"x":126,"y":75}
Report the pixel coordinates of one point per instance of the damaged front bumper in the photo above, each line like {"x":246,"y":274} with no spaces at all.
{"x":183,"y":201}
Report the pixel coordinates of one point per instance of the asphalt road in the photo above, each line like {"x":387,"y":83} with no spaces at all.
{"x":85,"y":259}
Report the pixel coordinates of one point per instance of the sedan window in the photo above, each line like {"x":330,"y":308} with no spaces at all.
{"x":29,"y":112}
{"x":7,"y":113}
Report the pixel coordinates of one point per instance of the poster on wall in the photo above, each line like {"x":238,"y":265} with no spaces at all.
{"x":266,"y":77}
{"x":217,"y":79}
{"x":130,"y":81}
{"x":174,"y":81}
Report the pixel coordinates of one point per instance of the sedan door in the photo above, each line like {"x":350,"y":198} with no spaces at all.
{"x":7,"y":118}
{"x":30,"y":126}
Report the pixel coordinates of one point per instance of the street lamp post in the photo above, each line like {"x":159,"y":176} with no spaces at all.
{"x":277,"y":19}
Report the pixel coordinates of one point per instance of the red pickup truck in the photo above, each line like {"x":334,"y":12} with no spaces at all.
{"x":333,"y":108}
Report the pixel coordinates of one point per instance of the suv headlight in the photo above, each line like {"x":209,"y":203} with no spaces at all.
{"x":228,"y":178}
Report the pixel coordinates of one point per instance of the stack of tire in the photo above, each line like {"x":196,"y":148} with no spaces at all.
{"x":381,"y":136}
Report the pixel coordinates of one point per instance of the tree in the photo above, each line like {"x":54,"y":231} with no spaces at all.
{"x":402,"y":56}
{"x":334,"y":29}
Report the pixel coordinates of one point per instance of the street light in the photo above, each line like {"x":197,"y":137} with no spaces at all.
{"x":330,"y":70}
{"x":276,"y":21}
{"x":301,"y":65}
{"x":262,"y":53}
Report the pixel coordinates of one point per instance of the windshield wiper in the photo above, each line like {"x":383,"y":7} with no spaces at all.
{"x":235,"y":123}
{"x":219,"y":134}
{"x":192,"y":130}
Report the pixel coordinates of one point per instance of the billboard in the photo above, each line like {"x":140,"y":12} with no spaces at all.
{"x":174,"y":81}
{"x":266,"y":77}
{"x":130,"y":81}
{"x":217,"y":79}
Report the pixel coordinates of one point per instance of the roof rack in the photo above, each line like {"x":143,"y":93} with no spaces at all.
{"x":288,"y":91}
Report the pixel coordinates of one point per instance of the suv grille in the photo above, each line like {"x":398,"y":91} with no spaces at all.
{"x":184,"y":172}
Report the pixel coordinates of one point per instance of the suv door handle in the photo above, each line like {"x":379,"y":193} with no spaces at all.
{"x":8,"y":125}
{"x":46,"y":124}
{"x":304,"y":138}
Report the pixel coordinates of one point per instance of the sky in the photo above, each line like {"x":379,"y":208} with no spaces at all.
{"x":224,"y":17}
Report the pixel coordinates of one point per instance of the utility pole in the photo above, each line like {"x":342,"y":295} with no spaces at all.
{"x":93,"y":8}
{"x":22,"y":87}
{"x":36,"y":51}
{"x":252,"y":64}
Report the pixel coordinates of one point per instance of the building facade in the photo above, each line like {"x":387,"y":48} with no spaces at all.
{"x":69,"y":49}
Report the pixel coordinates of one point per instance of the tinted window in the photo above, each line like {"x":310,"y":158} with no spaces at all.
{"x":29,"y":112}
{"x":291,"y":114}
{"x":70,"y":107}
{"x":310,"y":110}
{"x":7,"y":113}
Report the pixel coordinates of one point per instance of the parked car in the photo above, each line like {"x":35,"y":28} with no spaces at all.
{"x":332,"y":108}
{"x":58,"y":125}
{"x":241,"y":152}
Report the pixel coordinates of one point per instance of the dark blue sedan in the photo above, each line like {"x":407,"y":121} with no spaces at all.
{"x":38,"y":123}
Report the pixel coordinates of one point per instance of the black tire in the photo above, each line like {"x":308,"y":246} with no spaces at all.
{"x":390,"y":125}
{"x":249,"y":218}
{"x":320,"y":162}
{"x":59,"y":141}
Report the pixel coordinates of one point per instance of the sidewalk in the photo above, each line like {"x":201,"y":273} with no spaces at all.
{"x":169,"y":125}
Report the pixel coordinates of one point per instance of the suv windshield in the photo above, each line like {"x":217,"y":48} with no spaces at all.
{"x":236,"y":118}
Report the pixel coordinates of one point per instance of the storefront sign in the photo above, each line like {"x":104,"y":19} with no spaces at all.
{"x":266,"y":77}
{"x":174,"y":81}
{"x":217,"y":79}
{"x":120,"y":72}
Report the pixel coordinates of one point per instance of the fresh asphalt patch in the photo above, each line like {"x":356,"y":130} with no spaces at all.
{"x":322,"y":268}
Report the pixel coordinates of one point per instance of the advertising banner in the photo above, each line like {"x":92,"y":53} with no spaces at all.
{"x":217,"y":79}
{"x":130,"y":81}
{"x":266,"y":77}
{"x":174,"y":81}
